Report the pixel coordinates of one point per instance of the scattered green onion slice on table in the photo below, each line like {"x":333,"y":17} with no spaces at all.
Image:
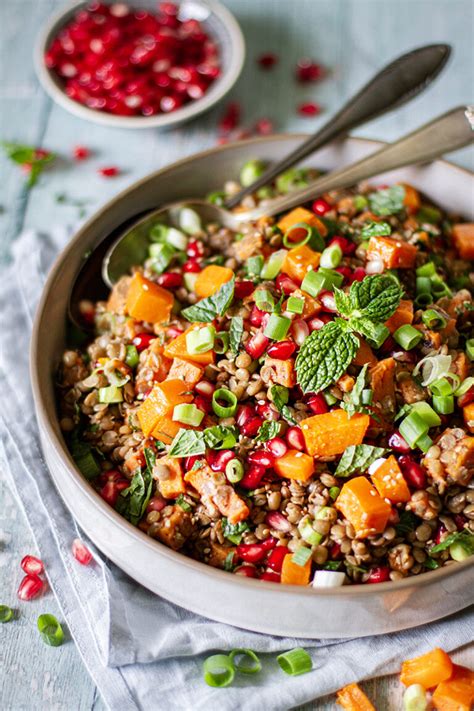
{"x":218,"y":670}
{"x":245,"y":661}
{"x":228,"y":397}
{"x":277,"y":327}
{"x":50,"y":630}
{"x":234,"y":470}
{"x":6,"y":613}
{"x":188,"y":414}
{"x":295,"y":661}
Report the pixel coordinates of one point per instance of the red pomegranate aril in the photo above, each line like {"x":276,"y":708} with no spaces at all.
{"x":276,"y":446}
{"x":345,"y":271}
{"x":335,"y":552}
{"x":317,"y":404}
{"x":174,"y":332}
{"x":30,"y":587}
{"x":195,"y":248}
{"x":440,"y":534}
{"x":264,"y":127}
{"x":347,"y":247}
{"x":247,"y":571}
{"x":262,"y":458}
{"x":467,"y":398}
{"x":112,"y":489}
{"x":294,"y":437}
{"x":321,"y":206}
{"x":143,"y":341}
{"x":191,"y":266}
{"x":278,"y":521}
{"x":308,"y":71}
{"x":299,"y":330}
{"x":244,"y":414}
{"x":316,"y":323}
{"x":276,"y":557}
{"x":414,"y":473}
{"x":460,"y":521}
{"x":358,"y":274}
{"x":285,"y":284}
{"x":81,"y":153}
{"x":379,"y":574}
{"x":203,"y":403}
{"x":32,"y":565}
{"x":270,"y":577}
{"x":267,"y":60}
{"x":158,"y":503}
{"x":251,"y":427}
{"x":170,"y":280}
{"x":309,"y":108}
{"x":265,"y":410}
{"x":257,"y":345}
{"x":109,"y":171}
{"x":243,"y":289}
{"x":218,"y":460}
{"x":205,"y":389}
{"x":327,"y":301}
{"x":398,"y":444}
{"x":80,"y":552}
{"x":282,"y":350}
{"x":255,"y":552}
{"x":230,"y":119}
{"x":252,"y":477}
{"x":257,"y":316}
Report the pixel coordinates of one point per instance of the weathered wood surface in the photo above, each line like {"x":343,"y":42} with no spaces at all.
{"x":352,"y":37}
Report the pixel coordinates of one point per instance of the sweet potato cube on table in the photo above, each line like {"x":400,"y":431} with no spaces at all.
{"x":352,"y":698}
{"x":390,"y":483}
{"x":428,"y":670}
{"x":300,"y":214}
{"x":160,"y":403}
{"x":210,"y":280}
{"x":299,"y":261}
{"x":457,"y":693}
{"x":294,"y":574}
{"x":402,"y":315}
{"x":147,"y":301}
{"x":331,"y":433}
{"x":295,"y":465}
{"x":189,"y":373}
{"x":177,"y":348}
{"x":214,"y":486}
{"x":463,"y":238}
{"x":170,"y":480}
{"x":394,"y":253}
{"x":363,"y":507}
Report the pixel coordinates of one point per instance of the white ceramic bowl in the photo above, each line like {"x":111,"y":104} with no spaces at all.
{"x":218,"y":22}
{"x":261,"y":606}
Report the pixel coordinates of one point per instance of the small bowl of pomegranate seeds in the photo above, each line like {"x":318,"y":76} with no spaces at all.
{"x":140,"y":66}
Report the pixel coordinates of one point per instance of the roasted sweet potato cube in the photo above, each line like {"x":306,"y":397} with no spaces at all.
{"x":363,"y":507}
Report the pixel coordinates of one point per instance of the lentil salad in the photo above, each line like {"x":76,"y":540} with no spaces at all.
{"x":294,"y":402}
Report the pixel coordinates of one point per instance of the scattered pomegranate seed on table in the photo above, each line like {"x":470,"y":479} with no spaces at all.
{"x":32,"y":565}
{"x":309,"y":108}
{"x":81,"y":152}
{"x":267,"y":60}
{"x":264,"y":127}
{"x":308,"y":71}
{"x":109,"y":171}
{"x":30,"y":587}
{"x":231,"y":118}
{"x":80,"y":552}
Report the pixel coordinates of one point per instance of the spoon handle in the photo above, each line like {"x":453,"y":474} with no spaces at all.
{"x":398,"y":82}
{"x":446,"y":133}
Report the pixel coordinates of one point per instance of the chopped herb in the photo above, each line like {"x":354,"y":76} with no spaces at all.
{"x":332,"y":565}
{"x":375,"y":229}
{"x":209,"y":308}
{"x":406,"y":523}
{"x":463,"y":538}
{"x":220,"y":437}
{"x":133,"y":501}
{"x":84,"y":456}
{"x":229,"y":561}
{"x":431,"y":563}
{"x":186,"y":443}
{"x":234,"y":531}
{"x":181,"y":501}
{"x":357,"y":459}
{"x":235,"y":333}
{"x":280,"y":396}
{"x":387,"y":201}
{"x":268,"y":430}
{"x":354,"y":401}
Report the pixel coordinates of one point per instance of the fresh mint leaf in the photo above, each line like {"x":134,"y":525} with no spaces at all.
{"x":387,"y":201}
{"x":464,"y":538}
{"x":229,"y":561}
{"x":268,"y":430}
{"x":325,"y":355}
{"x":187,"y":443}
{"x":431,"y":563}
{"x":220,"y":437}
{"x":235,"y":333}
{"x":375,"y":229}
{"x":343,"y":302}
{"x":357,"y":459}
{"x":376,"y":297}
{"x":280,"y":396}
{"x":234,"y":531}
{"x":375,"y":332}
{"x":133,"y":501}
{"x":209,"y":308}
{"x":353,"y":400}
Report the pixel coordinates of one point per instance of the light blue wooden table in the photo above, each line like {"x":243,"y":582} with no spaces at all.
{"x":351,"y":37}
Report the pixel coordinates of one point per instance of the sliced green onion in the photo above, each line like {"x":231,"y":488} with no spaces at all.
{"x":414,"y":698}
{"x":459,"y":552}
{"x":442,"y":387}
{"x":252,"y":170}
{"x":433,"y":319}
{"x":84,"y":458}
{"x":429,"y":214}
{"x":334,"y":492}
{"x":379,"y":334}
{"x":308,"y":533}
{"x":291,"y":244}
{"x":158,"y":232}
{"x":50,"y":630}
{"x":218,"y":671}
{"x":227,"y":396}
{"x":6,"y":613}
{"x":190,"y":222}
{"x":444,"y":404}
{"x":423,"y":300}
{"x":301,"y":555}
{"x":176,"y":239}
{"x":221,"y":342}
{"x":131,"y":356}
{"x":295,"y":305}
{"x":423,"y":285}
{"x":433,"y":368}
{"x":466,"y":385}
{"x":367,"y":396}
{"x":322,"y":280}
{"x":412,"y":428}
{"x":331,"y":257}
{"x":470,"y":349}
{"x":254,"y":265}
{"x":295,"y":661}
{"x":200,"y":340}
{"x":264,"y":300}
{"x":245,"y":661}
{"x":190,"y":280}
{"x":273,"y":265}
{"x":360,"y":202}
{"x":161,"y":255}
{"x":426,"y":270}
{"x":277,"y":327}
{"x":110,"y":395}
{"x":188,"y":414}
{"x":265,"y":192}
{"x":424,"y":443}
{"x":291,"y":179}
{"x":426,"y":412}
{"x":217,"y":197}
{"x":329,"y":398}
{"x":234,"y":470}
{"x":407,"y":337}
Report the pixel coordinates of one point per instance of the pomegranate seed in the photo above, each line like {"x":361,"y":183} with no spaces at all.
{"x":388,"y":345}
{"x":347,"y":247}
{"x":294,"y":437}
{"x":203,"y":403}
{"x":257,"y":316}
{"x":243,"y":289}
{"x":109,"y":172}
{"x":255,"y":552}
{"x":321,"y":206}
{"x":191,"y":266}
{"x":264,"y":127}
{"x":345,"y":271}
{"x":318,"y":404}
{"x":328,"y":302}
{"x":467,"y":398}
{"x":158,"y":503}
{"x":413,"y":473}
{"x":230,"y":119}
{"x":257,"y":345}
{"x":285,"y":284}
{"x":379,"y":574}
{"x":316,"y":323}
{"x":247,"y":571}
{"x":270,"y":577}
{"x":276,"y":446}
{"x":195,"y":249}
{"x":112,"y":489}
{"x":265,"y":410}
{"x":460,"y":521}
{"x":308,"y":71}
{"x":251,"y":427}
{"x":335,"y":552}
{"x":398,"y":444}
{"x":261,"y":457}
{"x":30,"y":587}
{"x":143,"y":341}
{"x":278,"y":521}
{"x":40,"y":153}
{"x":244,"y":414}
{"x":309,"y":108}
{"x":110,"y":475}
{"x":275,"y":558}
{"x":358,"y":274}
{"x":205,"y":388}
{"x":252,"y":477}
{"x":81,"y":153}
{"x":170,"y":280}
{"x":299,"y":330}
{"x":267,"y":60}
{"x":218,"y":460}
{"x":440,"y":534}
{"x":174,"y":332}
{"x":80,"y":552}
{"x":32,"y":565}
{"x":282,"y":350}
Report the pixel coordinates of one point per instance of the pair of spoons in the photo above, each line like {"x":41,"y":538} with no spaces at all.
{"x":397,"y":83}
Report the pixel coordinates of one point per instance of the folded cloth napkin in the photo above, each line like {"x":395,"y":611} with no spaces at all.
{"x":144,"y":652}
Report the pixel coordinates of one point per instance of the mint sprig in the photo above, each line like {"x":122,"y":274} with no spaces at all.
{"x":353,"y":400}
{"x":209,"y":308}
{"x":133,"y":501}
{"x":387,"y":201}
{"x":235,"y":333}
{"x":357,"y":459}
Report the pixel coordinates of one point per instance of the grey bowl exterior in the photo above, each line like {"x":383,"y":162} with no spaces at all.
{"x":220,"y":23}
{"x":264,"y":607}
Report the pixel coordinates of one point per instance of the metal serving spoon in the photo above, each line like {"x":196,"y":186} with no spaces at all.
{"x":397,"y":83}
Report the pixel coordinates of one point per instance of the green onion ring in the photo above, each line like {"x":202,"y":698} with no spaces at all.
{"x":221,"y":343}
{"x":218,"y":671}
{"x":229,"y":398}
{"x":6,"y":613}
{"x":295,"y":661}
{"x":250,"y":664}
{"x":290,"y":244}
{"x":50,"y":630}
